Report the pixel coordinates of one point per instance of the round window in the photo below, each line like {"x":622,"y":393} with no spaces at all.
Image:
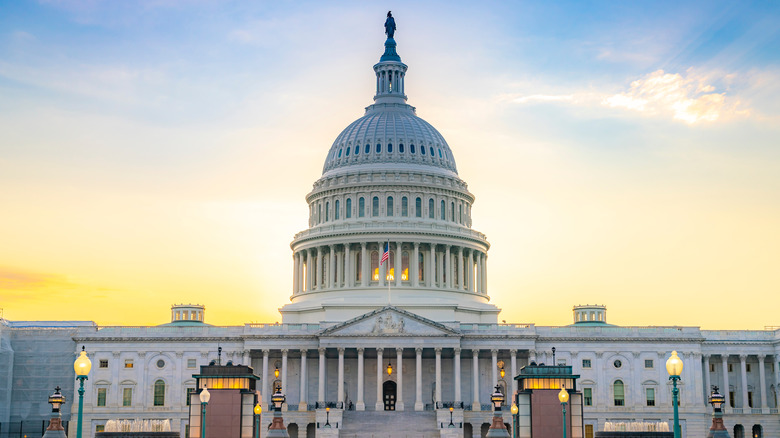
{"x":618,"y":363}
{"x":160,"y":363}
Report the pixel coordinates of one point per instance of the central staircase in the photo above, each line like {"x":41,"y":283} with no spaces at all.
{"x":389,"y":424}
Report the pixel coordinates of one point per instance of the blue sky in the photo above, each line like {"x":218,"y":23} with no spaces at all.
{"x":620,"y":152}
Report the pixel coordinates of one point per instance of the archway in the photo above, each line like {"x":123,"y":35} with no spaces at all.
{"x":739,"y":431}
{"x":758,"y":432}
{"x":388,"y":395}
{"x":292,"y":430}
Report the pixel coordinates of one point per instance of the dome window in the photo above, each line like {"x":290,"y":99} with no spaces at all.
{"x":439,"y":153}
{"x":368,"y":149}
{"x":431,"y":211}
{"x":443,"y":211}
{"x":327,"y":211}
{"x":378,"y":148}
{"x":339,"y":153}
{"x":362,"y":207}
{"x":390,"y":206}
{"x":432,"y":154}
{"x":348,"y":151}
{"x":405,"y":206}
{"x":348,"y":213}
{"x":357,"y":150}
{"x":389,"y":148}
{"x":418,"y":207}
{"x":401,"y":148}
{"x":375,"y":206}
{"x":411,"y":148}
{"x":337,"y":212}
{"x":422,"y":150}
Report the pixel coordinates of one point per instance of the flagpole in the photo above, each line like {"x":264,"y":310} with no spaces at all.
{"x":389,"y":301}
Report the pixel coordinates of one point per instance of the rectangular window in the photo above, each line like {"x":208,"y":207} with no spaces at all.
{"x":586,"y":363}
{"x":188,"y":392}
{"x":128,"y":363}
{"x":649,"y":363}
{"x":100,"y":428}
{"x":191,"y":363}
{"x":103,"y":363}
{"x":750,"y":399}
{"x":747,"y":367}
{"x":712,"y":367}
{"x":127,"y":396}
{"x":731,"y":368}
{"x":619,"y":395}
{"x":587,"y":395}
{"x":650,"y":395}
{"x":731,"y":398}
{"x":588,"y":431}
{"x":101,"y":396}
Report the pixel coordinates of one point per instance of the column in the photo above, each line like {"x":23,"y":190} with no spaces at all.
{"x":341,"y":376}
{"x":439,"y":270}
{"x":246,"y":360}
{"x":456,"y":367}
{"x":303,"y":403}
{"x":284,"y":370}
{"x":707,"y":384}
{"x":361,"y":405}
{"x":762,"y":380}
{"x":429,"y":267}
{"x":478,"y":275}
{"x":484,"y":273}
{"x":310,"y":270}
{"x":318,"y":280}
{"x":266,"y":398}
{"x":347,"y":266}
{"x":399,"y":397}
{"x":418,"y":404}
{"x":743,"y":381}
{"x":438,"y":373}
{"x":414,"y":265}
{"x":448,"y":266}
{"x":295,"y":273}
{"x":475,"y":405}
{"x":321,"y":387}
{"x":363,"y":264}
{"x":494,"y":365}
{"x":399,"y":268}
{"x":300,"y":271}
{"x":470,"y":270}
{"x":331,"y":267}
{"x":379,"y":406}
{"x":381,"y":266}
{"x":724,"y":358}
{"x":459,"y":267}
{"x":513,"y":367}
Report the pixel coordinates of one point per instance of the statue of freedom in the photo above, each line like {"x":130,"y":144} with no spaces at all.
{"x":390,"y":25}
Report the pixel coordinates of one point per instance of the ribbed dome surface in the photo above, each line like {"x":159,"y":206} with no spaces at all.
{"x":390,"y":134}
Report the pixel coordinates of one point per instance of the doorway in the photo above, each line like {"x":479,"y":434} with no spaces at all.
{"x":388,"y":395}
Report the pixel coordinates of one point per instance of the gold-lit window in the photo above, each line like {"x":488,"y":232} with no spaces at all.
{"x":128,"y":363}
{"x":225,"y":382}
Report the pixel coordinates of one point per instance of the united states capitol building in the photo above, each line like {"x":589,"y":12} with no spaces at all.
{"x":390,"y":182}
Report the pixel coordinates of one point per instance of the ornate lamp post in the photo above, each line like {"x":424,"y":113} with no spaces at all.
{"x":497,"y":429}
{"x":205,"y":396}
{"x":55,"y":429}
{"x":674,"y":367}
{"x":258,"y":411}
{"x":327,"y":418}
{"x":277,"y":428}
{"x":717,"y":430}
{"x":514,"y":411}
{"x":82,"y":365}
{"x":389,"y":369}
{"x":563,"y":397}
{"x":451,"y":423}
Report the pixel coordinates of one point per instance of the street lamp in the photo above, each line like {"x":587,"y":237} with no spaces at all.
{"x":55,"y":429}
{"x":389,"y":368}
{"x":717,"y":430}
{"x":674,"y":367}
{"x":205,"y":396}
{"x":497,"y":429}
{"x":277,"y":428}
{"x":82,"y":365}
{"x":258,"y":411}
{"x":327,"y":418}
{"x":563,"y":397}
{"x":514,"y":411}
{"x":451,"y":424}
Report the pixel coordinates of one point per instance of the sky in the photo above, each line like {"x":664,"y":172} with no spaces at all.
{"x":621,"y":153}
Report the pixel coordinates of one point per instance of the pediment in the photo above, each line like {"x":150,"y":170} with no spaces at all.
{"x":389,"y":321}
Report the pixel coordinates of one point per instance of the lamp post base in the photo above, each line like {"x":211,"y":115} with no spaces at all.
{"x":497,"y":429}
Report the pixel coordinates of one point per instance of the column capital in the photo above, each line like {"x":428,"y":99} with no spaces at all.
{"x":285,"y":351}
{"x":706,"y":356}
{"x":475,"y":353}
{"x":360,"y":350}
{"x":399,"y":350}
{"x":341,"y":350}
{"x":456,"y":350}
{"x":636,"y":354}
{"x":322,"y":350}
{"x":380,"y":351}
{"x":416,"y":244}
{"x":418,"y":350}
{"x":266,"y":351}
{"x":437,"y":350}
{"x":513,"y":351}
{"x":743,"y":357}
{"x":532,"y":352}
{"x":661,"y":354}
{"x":304,"y":351}
{"x":761,"y":357}
{"x":697,"y":356}
{"x":494,"y":351}
{"x":574,"y":354}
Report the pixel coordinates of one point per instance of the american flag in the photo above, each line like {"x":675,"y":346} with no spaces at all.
{"x":386,"y":254}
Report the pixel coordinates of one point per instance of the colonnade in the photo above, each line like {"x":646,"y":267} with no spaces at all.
{"x":383,"y":354}
{"x":390,"y":80}
{"x":744,"y":385}
{"x":350,"y":265}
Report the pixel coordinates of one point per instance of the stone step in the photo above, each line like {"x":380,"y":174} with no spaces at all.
{"x":383,"y":424}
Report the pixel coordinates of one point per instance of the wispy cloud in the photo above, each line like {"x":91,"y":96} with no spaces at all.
{"x":543,"y":98}
{"x":22,"y":284}
{"x":689,"y":98}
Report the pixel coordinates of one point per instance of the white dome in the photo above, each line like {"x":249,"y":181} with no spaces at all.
{"x":390,"y":134}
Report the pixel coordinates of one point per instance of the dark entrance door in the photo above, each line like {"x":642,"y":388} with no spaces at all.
{"x":388,"y":391}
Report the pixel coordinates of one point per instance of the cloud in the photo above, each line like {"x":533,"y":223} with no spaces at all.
{"x":688,"y":98}
{"x":543,"y":98}
{"x":19,"y":284}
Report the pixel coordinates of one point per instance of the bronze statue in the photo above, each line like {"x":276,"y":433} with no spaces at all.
{"x":390,"y":25}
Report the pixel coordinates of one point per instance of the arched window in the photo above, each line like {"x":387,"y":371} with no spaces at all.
{"x":359,"y":268}
{"x":357,"y":150}
{"x":443,"y":210}
{"x":739,"y":431}
{"x":431,"y":151}
{"x":618,"y":390}
{"x":348,"y":213}
{"x":758,"y":431}
{"x":319,"y":212}
{"x":411,"y":148}
{"x":431,"y":211}
{"x":339,"y":153}
{"x":336,"y":212}
{"x":420,"y":267}
{"x":422,"y":150}
{"x":378,"y":148}
{"x":404,"y":206}
{"x":159,"y":393}
{"x":390,"y":206}
{"x":368,"y":148}
{"x":327,"y":211}
{"x":405,"y":266}
{"x":418,"y":207}
{"x":460,"y":213}
{"x":348,"y":150}
{"x":389,"y":148}
{"x":374,"y":265}
{"x":401,"y":148}
{"x":439,"y":152}
{"x":361,"y":207}
{"x":375,"y":206}
{"x":452,"y":212}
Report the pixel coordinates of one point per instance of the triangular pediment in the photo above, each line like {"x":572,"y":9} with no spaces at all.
{"x":389,"y":321}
